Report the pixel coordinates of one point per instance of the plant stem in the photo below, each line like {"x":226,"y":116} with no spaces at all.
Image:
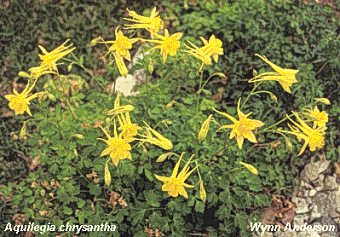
{"x":251,"y":93}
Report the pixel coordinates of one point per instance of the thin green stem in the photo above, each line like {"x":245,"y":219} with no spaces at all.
{"x":275,"y":124}
{"x":251,"y":93}
{"x":71,"y":108}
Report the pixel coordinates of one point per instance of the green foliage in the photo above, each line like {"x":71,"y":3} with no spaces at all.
{"x":66,"y":184}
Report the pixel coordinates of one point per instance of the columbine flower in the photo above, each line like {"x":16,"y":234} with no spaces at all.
{"x":159,"y":141}
{"x":168,"y":44}
{"x":19,"y":102}
{"x":122,"y":44}
{"x":118,"y":109}
{"x":286,"y":77}
{"x":129,"y":130}
{"x":153,"y":23}
{"x":49,"y":59}
{"x":120,"y":49}
{"x":36,"y":72}
{"x":313,"y":137}
{"x":319,"y":118}
{"x":174,"y":185}
{"x":118,"y":148}
{"x":241,"y":128}
{"x":213,"y":47}
{"x":200,"y":54}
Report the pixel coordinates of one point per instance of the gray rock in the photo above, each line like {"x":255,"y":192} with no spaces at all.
{"x":315,"y":213}
{"x":286,"y":234}
{"x":308,"y":234}
{"x":309,"y":200}
{"x":301,"y":205}
{"x":303,"y":193}
{"x":300,"y":219}
{"x":306,"y":185}
{"x":330,"y":183}
{"x":337,"y":198}
{"x":318,"y":183}
{"x":333,"y":227}
{"x":310,"y":172}
{"x":323,"y":204}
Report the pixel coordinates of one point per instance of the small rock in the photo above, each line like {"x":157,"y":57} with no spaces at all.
{"x":312,"y":192}
{"x":310,"y":172}
{"x":306,"y":185}
{"x":303,"y":193}
{"x":301,"y":205}
{"x":308,"y":234}
{"x":318,"y":183}
{"x":330,"y":183}
{"x":322,"y":165}
{"x":309,"y":200}
{"x":300,"y":219}
{"x":315,"y":213}
{"x":333,"y":227}
{"x":337,"y":198}
{"x":324,"y":204}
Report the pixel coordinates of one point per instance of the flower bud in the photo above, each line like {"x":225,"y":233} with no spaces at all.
{"x":204,"y":129}
{"x":163,"y":157}
{"x":168,"y":106}
{"x":150,"y":66}
{"x":251,"y":168}
{"x":322,"y":100}
{"x":107,"y":175}
{"x":203,"y":194}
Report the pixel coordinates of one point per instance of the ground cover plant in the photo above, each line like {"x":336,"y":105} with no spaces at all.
{"x":230,"y":106}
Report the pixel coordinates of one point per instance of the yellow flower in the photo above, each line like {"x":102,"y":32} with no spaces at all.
{"x":159,"y":141}
{"x":168,"y":44}
{"x":118,"y":148}
{"x":200,"y":54}
{"x":36,"y":72}
{"x":213,"y":47}
{"x":319,"y":118}
{"x":204,"y":129}
{"x":119,"y":109}
{"x":241,"y":128}
{"x":120,"y":64}
{"x":286,"y":77}
{"x":121,"y":45}
{"x":129,"y":130}
{"x":120,"y":49}
{"x":19,"y":102}
{"x":153,"y":23}
{"x":49,"y":59}
{"x":251,"y":168}
{"x":313,"y":137}
{"x":174,"y":185}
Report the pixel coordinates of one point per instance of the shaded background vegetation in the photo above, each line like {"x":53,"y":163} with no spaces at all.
{"x":294,"y":34}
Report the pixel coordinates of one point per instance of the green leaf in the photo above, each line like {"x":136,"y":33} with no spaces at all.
{"x":148,"y":174}
{"x":81,"y":203}
{"x":67,"y":210}
{"x":199,"y":206}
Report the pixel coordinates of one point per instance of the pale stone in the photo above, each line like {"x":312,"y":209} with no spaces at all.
{"x":301,"y":205}
{"x":312,"y":192}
